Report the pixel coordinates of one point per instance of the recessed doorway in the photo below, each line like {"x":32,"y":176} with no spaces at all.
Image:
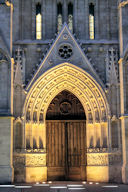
{"x":66,"y":138}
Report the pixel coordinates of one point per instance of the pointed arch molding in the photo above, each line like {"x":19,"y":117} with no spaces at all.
{"x":66,"y":77}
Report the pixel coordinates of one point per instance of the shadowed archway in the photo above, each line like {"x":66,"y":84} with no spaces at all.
{"x":66,"y":138}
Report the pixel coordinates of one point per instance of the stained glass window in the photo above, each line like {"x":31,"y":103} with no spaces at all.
{"x":70,"y":17}
{"x":91,"y":21}
{"x":38,"y":22}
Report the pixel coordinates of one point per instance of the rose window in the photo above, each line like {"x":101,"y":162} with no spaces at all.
{"x":65,"y":51}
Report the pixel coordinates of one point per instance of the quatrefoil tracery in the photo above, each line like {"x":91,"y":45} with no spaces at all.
{"x":65,"y":51}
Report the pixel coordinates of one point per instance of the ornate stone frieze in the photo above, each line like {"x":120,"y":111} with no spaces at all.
{"x":35,"y":160}
{"x":35,"y":150}
{"x":102,"y":150}
{"x":103,"y":156}
{"x":97,"y":150}
{"x":97,"y":159}
{"x":112,"y":69}
{"x":29,"y":159}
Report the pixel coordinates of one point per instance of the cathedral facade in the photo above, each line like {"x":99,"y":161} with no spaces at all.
{"x":63,"y":90}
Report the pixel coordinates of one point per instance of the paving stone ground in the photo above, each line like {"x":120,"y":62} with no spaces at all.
{"x":66,"y":187}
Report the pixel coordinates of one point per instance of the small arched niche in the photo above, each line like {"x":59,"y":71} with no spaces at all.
{"x":18,"y":136}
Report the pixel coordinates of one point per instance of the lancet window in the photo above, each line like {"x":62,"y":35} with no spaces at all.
{"x":59,"y":17}
{"x":38,"y":22}
{"x":70,"y":16}
{"x":91,"y":22}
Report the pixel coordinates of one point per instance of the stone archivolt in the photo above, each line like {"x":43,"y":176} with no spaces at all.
{"x":67,"y":77}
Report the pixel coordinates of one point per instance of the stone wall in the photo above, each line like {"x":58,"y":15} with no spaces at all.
{"x":30,"y":167}
{"x":102,"y":166}
{"x":6,"y":150}
{"x":106,"y":26}
{"x":4,"y":26}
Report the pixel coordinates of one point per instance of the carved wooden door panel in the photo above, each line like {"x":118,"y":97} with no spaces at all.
{"x":56,"y":150}
{"x":66,"y":150}
{"x":76,"y":142}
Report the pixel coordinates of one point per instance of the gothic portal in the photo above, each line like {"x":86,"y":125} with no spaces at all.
{"x":63,"y":90}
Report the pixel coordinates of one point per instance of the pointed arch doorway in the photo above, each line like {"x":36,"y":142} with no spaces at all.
{"x":66,"y":138}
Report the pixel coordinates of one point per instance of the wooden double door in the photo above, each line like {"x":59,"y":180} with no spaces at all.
{"x":66,"y":154}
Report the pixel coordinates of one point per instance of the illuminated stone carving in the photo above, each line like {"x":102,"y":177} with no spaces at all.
{"x":36,"y":160}
{"x":32,"y":160}
{"x":103,"y":158}
{"x":67,"y":76}
{"x":97,"y":159}
{"x":122,"y":4}
{"x":73,"y":79}
{"x":65,"y":108}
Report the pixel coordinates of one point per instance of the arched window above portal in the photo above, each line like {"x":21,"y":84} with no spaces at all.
{"x":38,"y":21}
{"x":59,"y":17}
{"x":70,"y":16}
{"x":91,"y":21}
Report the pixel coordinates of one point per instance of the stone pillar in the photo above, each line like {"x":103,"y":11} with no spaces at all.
{"x":124,"y":117}
{"x":6,"y":149}
{"x":124,"y":125}
{"x":44,"y":20}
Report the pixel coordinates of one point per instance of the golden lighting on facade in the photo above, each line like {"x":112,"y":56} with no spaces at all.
{"x":38,"y":26}
{"x":56,"y":85}
{"x":91,"y":26}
